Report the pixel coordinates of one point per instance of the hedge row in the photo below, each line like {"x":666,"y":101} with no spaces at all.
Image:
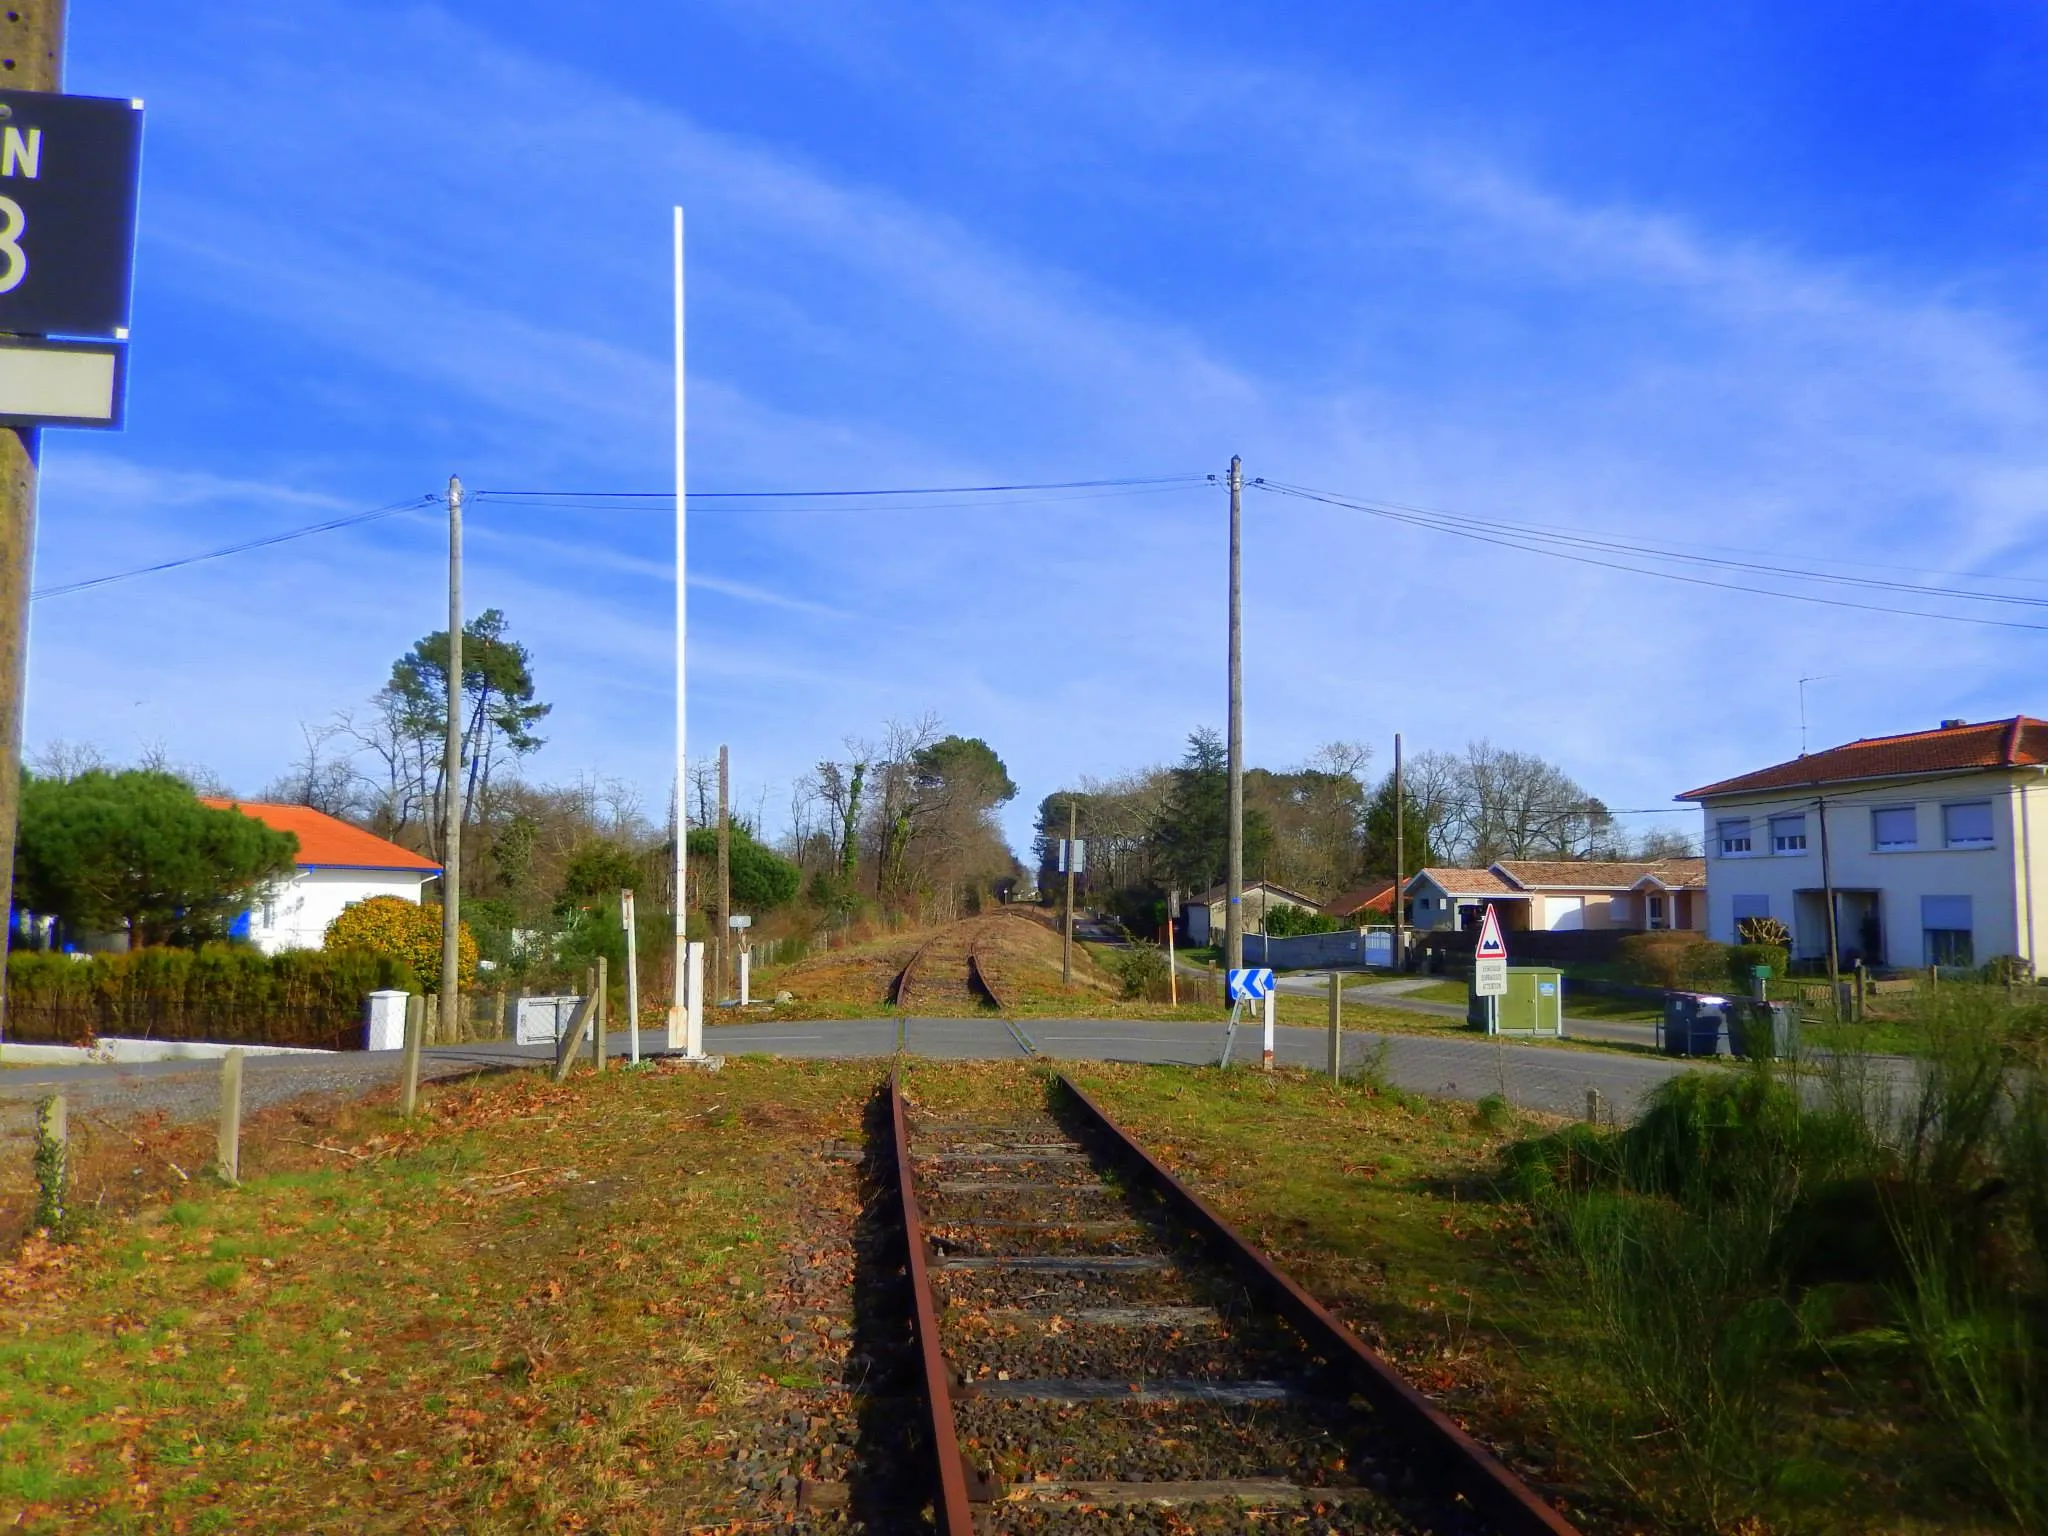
{"x":221,"y":992}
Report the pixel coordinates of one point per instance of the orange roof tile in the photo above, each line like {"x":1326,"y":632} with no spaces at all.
{"x":1601,"y":874}
{"x":2016,"y":743}
{"x":1375,"y":894}
{"x":327,"y":841}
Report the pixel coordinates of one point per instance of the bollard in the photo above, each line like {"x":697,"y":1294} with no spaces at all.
{"x":415,"y":1027}
{"x":597,"y":1017}
{"x":1266,"y":1051}
{"x":1336,"y":1027}
{"x":53,"y":1153}
{"x":228,"y":1148}
{"x":1592,"y":1106}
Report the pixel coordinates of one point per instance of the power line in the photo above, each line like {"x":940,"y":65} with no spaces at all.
{"x":585,"y":501}
{"x":354,"y":519}
{"x":911,"y":490}
{"x":1516,"y":537}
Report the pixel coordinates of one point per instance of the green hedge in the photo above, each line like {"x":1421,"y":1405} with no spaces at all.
{"x":221,"y":992}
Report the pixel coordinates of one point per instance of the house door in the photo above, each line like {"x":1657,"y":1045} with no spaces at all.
{"x":1659,"y":913}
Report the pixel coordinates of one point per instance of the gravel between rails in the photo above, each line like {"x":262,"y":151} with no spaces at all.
{"x":1019,"y":1330}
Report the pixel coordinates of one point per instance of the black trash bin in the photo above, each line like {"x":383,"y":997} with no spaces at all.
{"x":1693,"y":1024}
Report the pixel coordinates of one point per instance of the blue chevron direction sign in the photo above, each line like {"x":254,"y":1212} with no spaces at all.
{"x":1248,"y":986}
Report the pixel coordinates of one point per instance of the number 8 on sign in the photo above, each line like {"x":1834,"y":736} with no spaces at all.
{"x":10,"y":245}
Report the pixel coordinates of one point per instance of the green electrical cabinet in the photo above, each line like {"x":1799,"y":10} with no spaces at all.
{"x":1534,"y":1004}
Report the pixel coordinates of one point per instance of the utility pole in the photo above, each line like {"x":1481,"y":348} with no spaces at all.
{"x":451,"y":794}
{"x":1827,"y":887}
{"x":725,"y":967}
{"x":1233,"y":879}
{"x":32,"y":40}
{"x":1400,"y":865}
{"x":1067,"y":938}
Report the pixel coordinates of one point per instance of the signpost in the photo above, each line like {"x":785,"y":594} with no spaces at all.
{"x":1490,"y":968}
{"x":1248,"y":985}
{"x":69,"y":168}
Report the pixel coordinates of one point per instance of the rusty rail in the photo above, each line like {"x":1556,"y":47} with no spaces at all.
{"x":1509,"y":1503}
{"x":955,"y":1517}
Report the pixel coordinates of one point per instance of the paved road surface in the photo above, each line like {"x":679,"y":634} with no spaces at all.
{"x":1534,"y":1076}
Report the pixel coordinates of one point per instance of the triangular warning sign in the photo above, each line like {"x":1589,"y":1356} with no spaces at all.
{"x":1491,"y":945}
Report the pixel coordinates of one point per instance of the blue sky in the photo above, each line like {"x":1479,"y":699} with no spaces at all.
{"x":1753,"y":277}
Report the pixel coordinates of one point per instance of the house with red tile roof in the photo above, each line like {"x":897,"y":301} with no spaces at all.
{"x":1921,"y":844}
{"x":1563,"y":895}
{"x":337,"y":865}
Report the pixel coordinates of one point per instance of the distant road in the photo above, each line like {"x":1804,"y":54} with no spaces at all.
{"x":1468,"y":1067}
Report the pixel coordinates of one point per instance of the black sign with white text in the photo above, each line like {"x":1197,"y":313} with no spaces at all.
{"x":68,"y":170}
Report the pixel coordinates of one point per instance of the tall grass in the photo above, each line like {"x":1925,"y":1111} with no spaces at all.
{"x":1709,"y":1243}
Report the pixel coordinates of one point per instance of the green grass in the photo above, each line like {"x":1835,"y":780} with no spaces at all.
{"x":458,"y":1333}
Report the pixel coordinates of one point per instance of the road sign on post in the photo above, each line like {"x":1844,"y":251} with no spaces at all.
{"x":1490,"y":959}
{"x":1248,"y":986}
{"x":68,"y":173}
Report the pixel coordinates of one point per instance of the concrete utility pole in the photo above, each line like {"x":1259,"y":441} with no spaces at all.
{"x":1067,"y":939}
{"x":1827,"y":884}
{"x":32,"y":43}
{"x":1400,"y":865}
{"x":451,"y":794}
{"x":725,"y":967}
{"x":1233,"y":879}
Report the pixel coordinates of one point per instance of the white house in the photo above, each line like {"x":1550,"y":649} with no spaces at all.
{"x":337,"y":864}
{"x":1925,"y":840}
{"x":1564,"y":895}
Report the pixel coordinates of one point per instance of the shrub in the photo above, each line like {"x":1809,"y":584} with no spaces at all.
{"x":1672,"y":960}
{"x":1743,"y":958}
{"x":1764,"y":930}
{"x":2008,"y":970}
{"x":408,"y":932}
{"x":1285,"y":921}
{"x":222,"y":992}
{"x":1141,"y":968}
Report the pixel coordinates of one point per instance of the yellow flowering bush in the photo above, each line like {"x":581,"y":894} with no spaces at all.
{"x":406,"y":931}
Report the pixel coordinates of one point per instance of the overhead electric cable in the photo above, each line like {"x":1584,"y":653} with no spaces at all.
{"x":354,"y":519}
{"x":1510,"y":536}
{"x":910,"y":490}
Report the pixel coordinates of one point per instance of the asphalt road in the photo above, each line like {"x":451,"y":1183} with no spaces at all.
{"x":1532,"y":1076}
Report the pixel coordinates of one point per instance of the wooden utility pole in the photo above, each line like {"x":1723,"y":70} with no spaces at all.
{"x":1400,"y":865}
{"x":723,"y":939}
{"x":32,"y":43}
{"x":451,"y":793}
{"x":1233,"y":878}
{"x":1067,"y":938}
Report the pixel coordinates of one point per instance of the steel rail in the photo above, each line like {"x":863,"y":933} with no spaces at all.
{"x":955,"y":1516}
{"x":1511,"y":1504}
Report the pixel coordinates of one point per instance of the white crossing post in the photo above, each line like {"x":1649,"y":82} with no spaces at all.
{"x":693,"y":1027}
{"x":746,"y":972}
{"x":632,"y":978}
{"x":1266,"y":1055}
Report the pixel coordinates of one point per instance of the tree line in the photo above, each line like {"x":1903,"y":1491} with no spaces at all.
{"x":1329,"y":824}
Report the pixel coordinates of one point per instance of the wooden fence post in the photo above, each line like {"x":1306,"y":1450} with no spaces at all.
{"x":1592,"y":1106}
{"x":228,"y":1153}
{"x":597,"y":1019}
{"x":415,"y":1027}
{"x":53,"y":1153}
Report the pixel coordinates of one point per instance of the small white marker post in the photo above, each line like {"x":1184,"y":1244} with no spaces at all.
{"x":1266,"y":1052}
{"x":693,"y":1010}
{"x":632,"y":978}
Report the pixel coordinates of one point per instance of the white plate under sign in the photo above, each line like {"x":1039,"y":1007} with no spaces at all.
{"x":67,"y":384}
{"x":1489,"y":978}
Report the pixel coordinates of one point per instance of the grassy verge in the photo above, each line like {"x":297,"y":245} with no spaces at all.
{"x":537,"y":1307}
{"x":1379,"y":1203}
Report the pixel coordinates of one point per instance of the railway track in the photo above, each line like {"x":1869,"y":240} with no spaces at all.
{"x":1099,"y":1350}
{"x":947,"y":973}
